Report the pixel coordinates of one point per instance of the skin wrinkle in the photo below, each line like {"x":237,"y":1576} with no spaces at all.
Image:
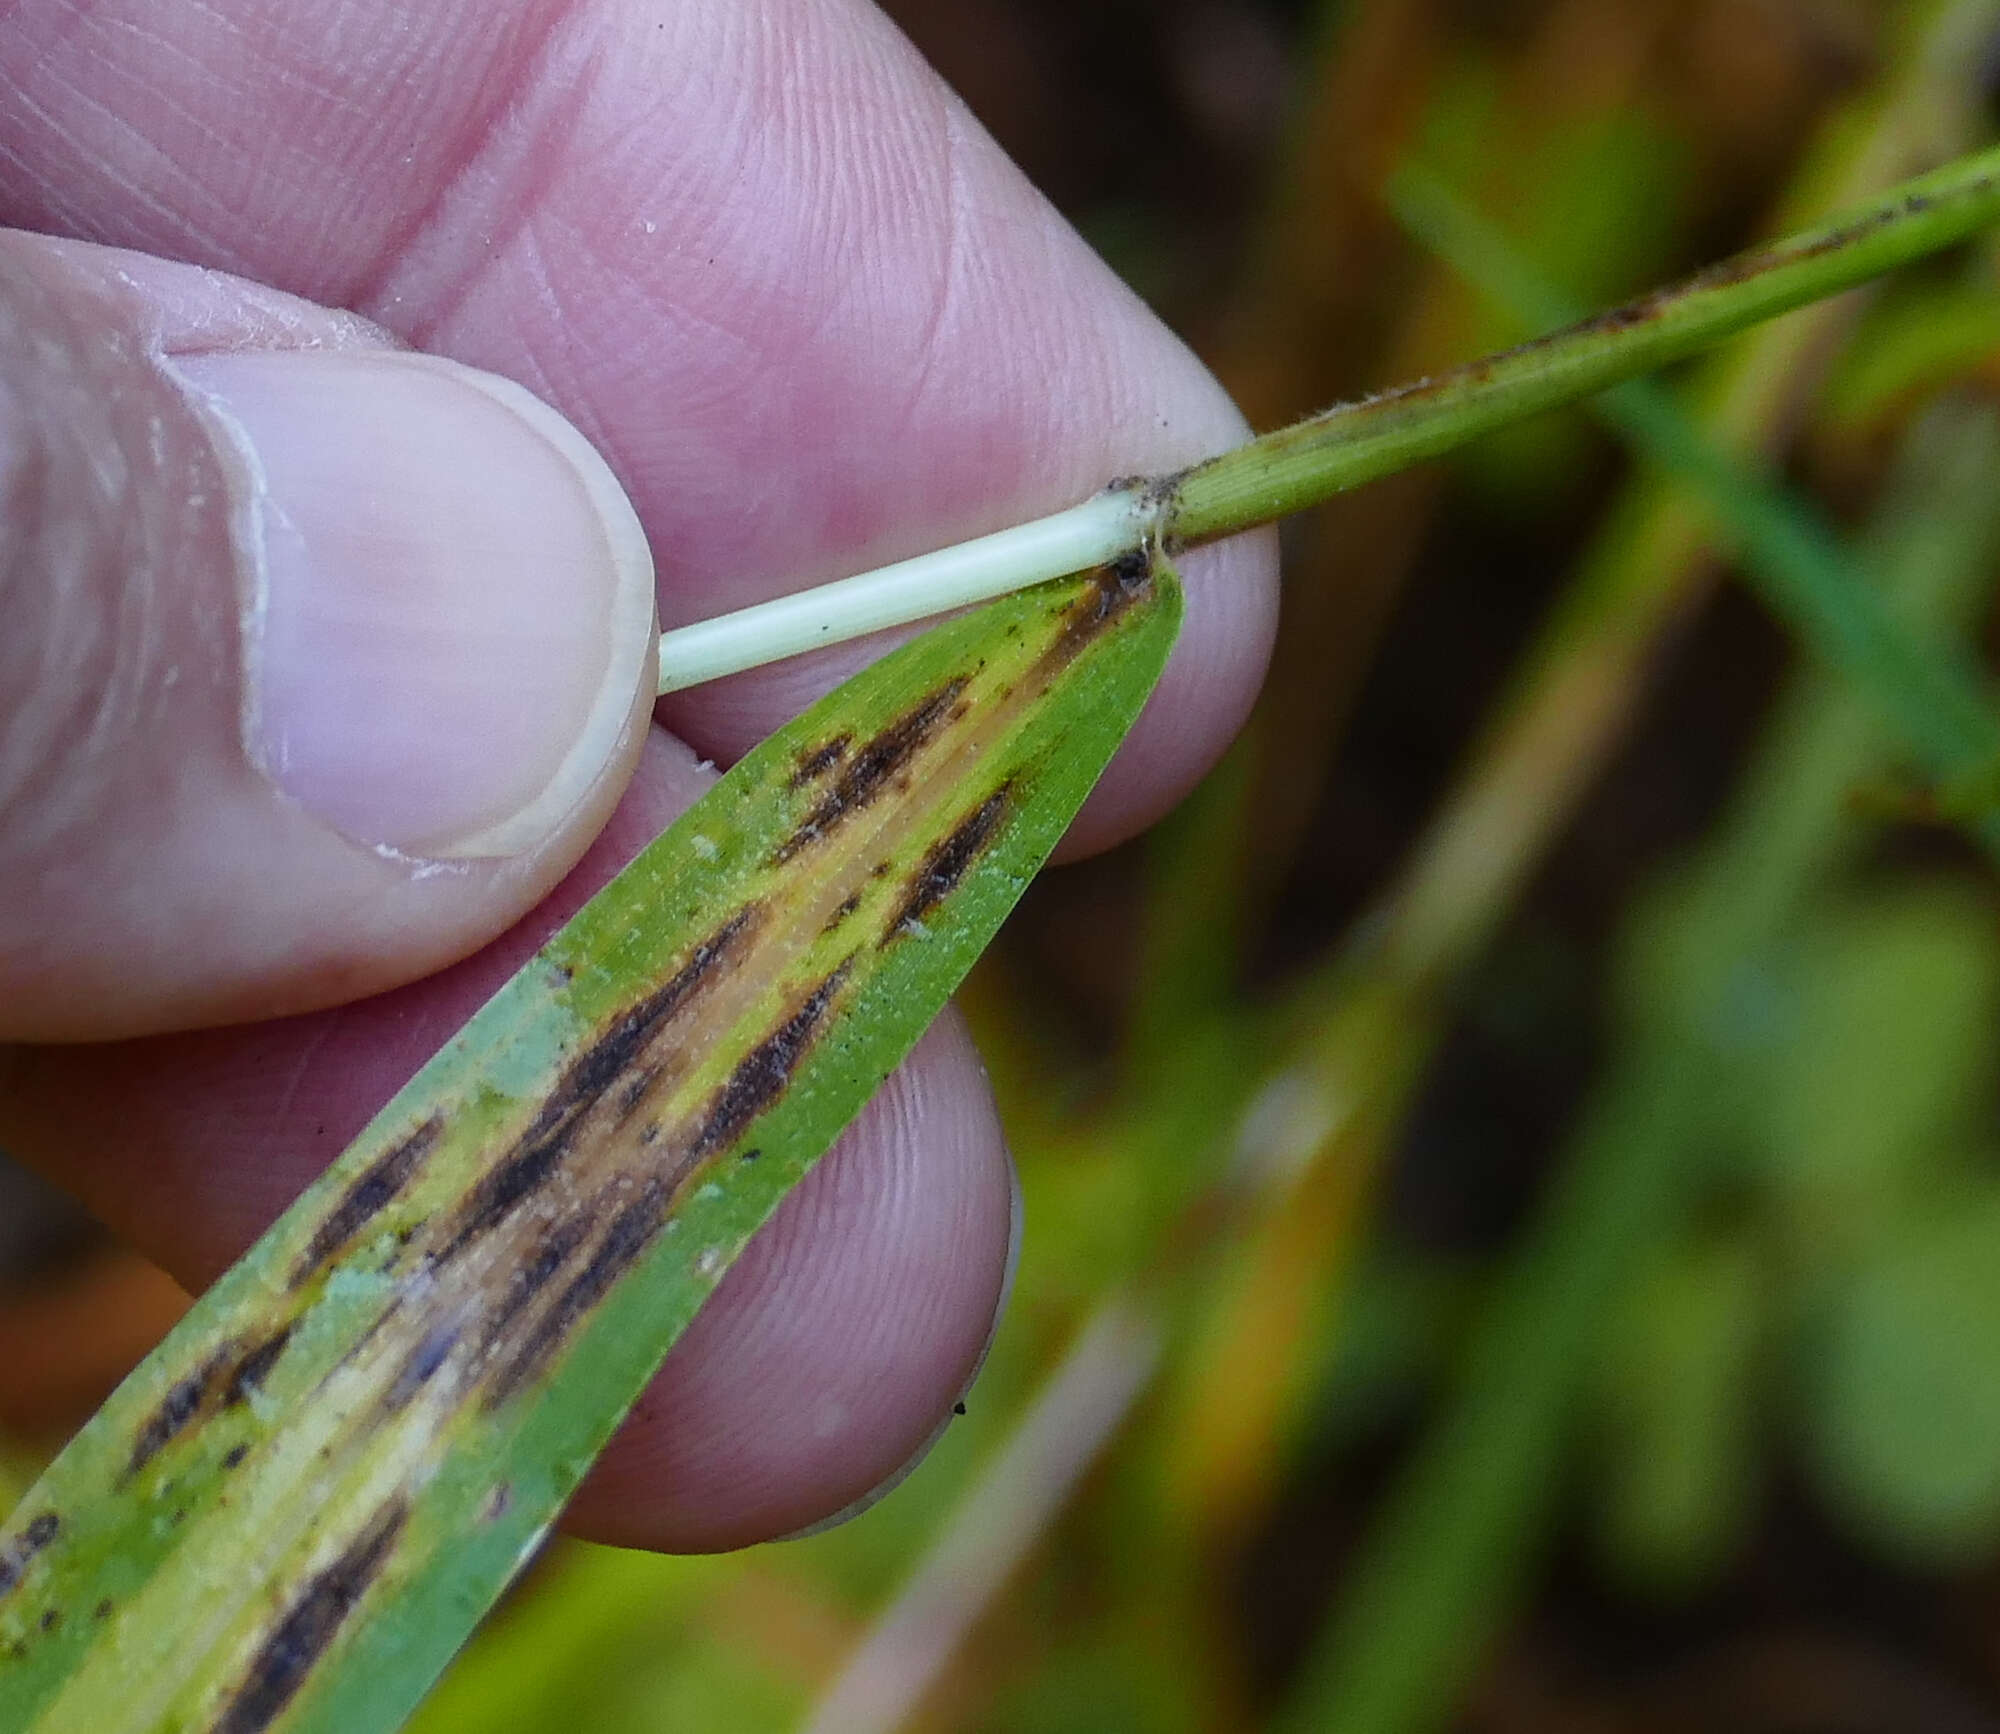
{"x":519,"y":200}
{"x":62,"y":778}
{"x":951,"y":267}
{"x":133,"y":139}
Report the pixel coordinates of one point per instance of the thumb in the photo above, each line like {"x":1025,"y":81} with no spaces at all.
{"x":320,"y":661}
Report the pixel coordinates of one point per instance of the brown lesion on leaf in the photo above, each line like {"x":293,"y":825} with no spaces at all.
{"x":872,"y":767}
{"x":625,"y":1051}
{"x":940,"y":871}
{"x":841,"y":912}
{"x":37,"y":1534}
{"x":543,"y":1264}
{"x":761,"y":1075}
{"x":367,"y":1195}
{"x":185,"y":1400}
{"x":631,"y":1230}
{"x":311,"y":1624}
{"x":815,"y":762}
{"x":223,"y":1381}
{"x":637,"y":1206}
{"x":254,"y":1367}
{"x":420,"y":1366}
{"x":1111,"y":591}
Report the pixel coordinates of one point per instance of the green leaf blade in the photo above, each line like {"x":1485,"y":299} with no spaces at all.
{"x":294,"y":1512}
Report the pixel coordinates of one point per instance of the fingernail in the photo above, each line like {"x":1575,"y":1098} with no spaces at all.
{"x":448,"y":599}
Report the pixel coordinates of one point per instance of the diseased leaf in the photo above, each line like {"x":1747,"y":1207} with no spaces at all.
{"x":295,"y":1510}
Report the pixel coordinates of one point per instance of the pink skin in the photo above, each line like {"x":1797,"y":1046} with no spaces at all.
{"x":815,"y":321}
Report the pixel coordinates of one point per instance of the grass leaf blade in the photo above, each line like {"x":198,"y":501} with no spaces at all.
{"x":295,"y":1511}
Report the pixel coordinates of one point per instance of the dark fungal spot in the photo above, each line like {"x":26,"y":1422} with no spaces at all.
{"x":750,"y":1155}
{"x":498,"y":1503}
{"x":872,"y":768}
{"x":817,"y":761}
{"x":758,"y":1080}
{"x":255,"y":1367}
{"x":762,"y":1074}
{"x":604,"y":1064}
{"x":310,"y":1626}
{"x":846,"y":907}
{"x":958,"y":1408}
{"x":939,"y":872}
{"x":34,"y":1537}
{"x":51,"y":1618}
{"x":370,"y":1192}
{"x":538,"y":1270}
{"x":234,"y":1455}
{"x":643,"y":1078}
{"x":630,"y":1233}
{"x":102,"y":1611}
{"x":419,"y":1367}
{"x":182,"y":1403}
{"x":1113,"y":589}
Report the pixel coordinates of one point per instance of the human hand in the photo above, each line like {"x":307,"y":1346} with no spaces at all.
{"x":812,"y":319}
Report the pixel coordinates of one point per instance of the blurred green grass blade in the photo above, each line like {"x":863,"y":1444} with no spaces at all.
{"x":1440,"y":1573}
{"x":1928,"y":690}
{"x":293,"y":1513}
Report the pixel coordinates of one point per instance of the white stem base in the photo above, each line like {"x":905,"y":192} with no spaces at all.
{"x":1099,"y":530}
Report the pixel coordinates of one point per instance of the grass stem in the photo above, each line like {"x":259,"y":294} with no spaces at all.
{"x":1326,"y":454}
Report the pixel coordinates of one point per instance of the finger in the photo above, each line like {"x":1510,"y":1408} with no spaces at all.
{"x":826,"y":1358}
{"x":323,"y":661}
{"x":756,"y":251}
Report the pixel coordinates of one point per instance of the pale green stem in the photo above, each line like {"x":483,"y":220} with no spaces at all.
{"x":1103,"y":527}
{"x":1354,"y":443}
{"x":1301,"y":465}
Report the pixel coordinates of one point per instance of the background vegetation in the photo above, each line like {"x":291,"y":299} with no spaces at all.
{"x":1513,"y":1203}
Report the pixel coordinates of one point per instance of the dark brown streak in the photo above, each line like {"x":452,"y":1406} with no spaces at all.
{"x":758,"y":1081}
{"x":869,"y":771}
{"x":36,"y":1536}
{"x":178,"y":1407}
{"x":939,"y":873}
{"x":371,"y":1192}
{"x":255,"y":1367}
{"x":420,"y":1367}
{"x":632,"y":1230}
{"x":529,"y":1279}
{"x":309,"y":1628}
{"x":762,"y":1074}
{"x":1113,"y":589}
{"x":594,"y":1072}
{"x":817,"y":761}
